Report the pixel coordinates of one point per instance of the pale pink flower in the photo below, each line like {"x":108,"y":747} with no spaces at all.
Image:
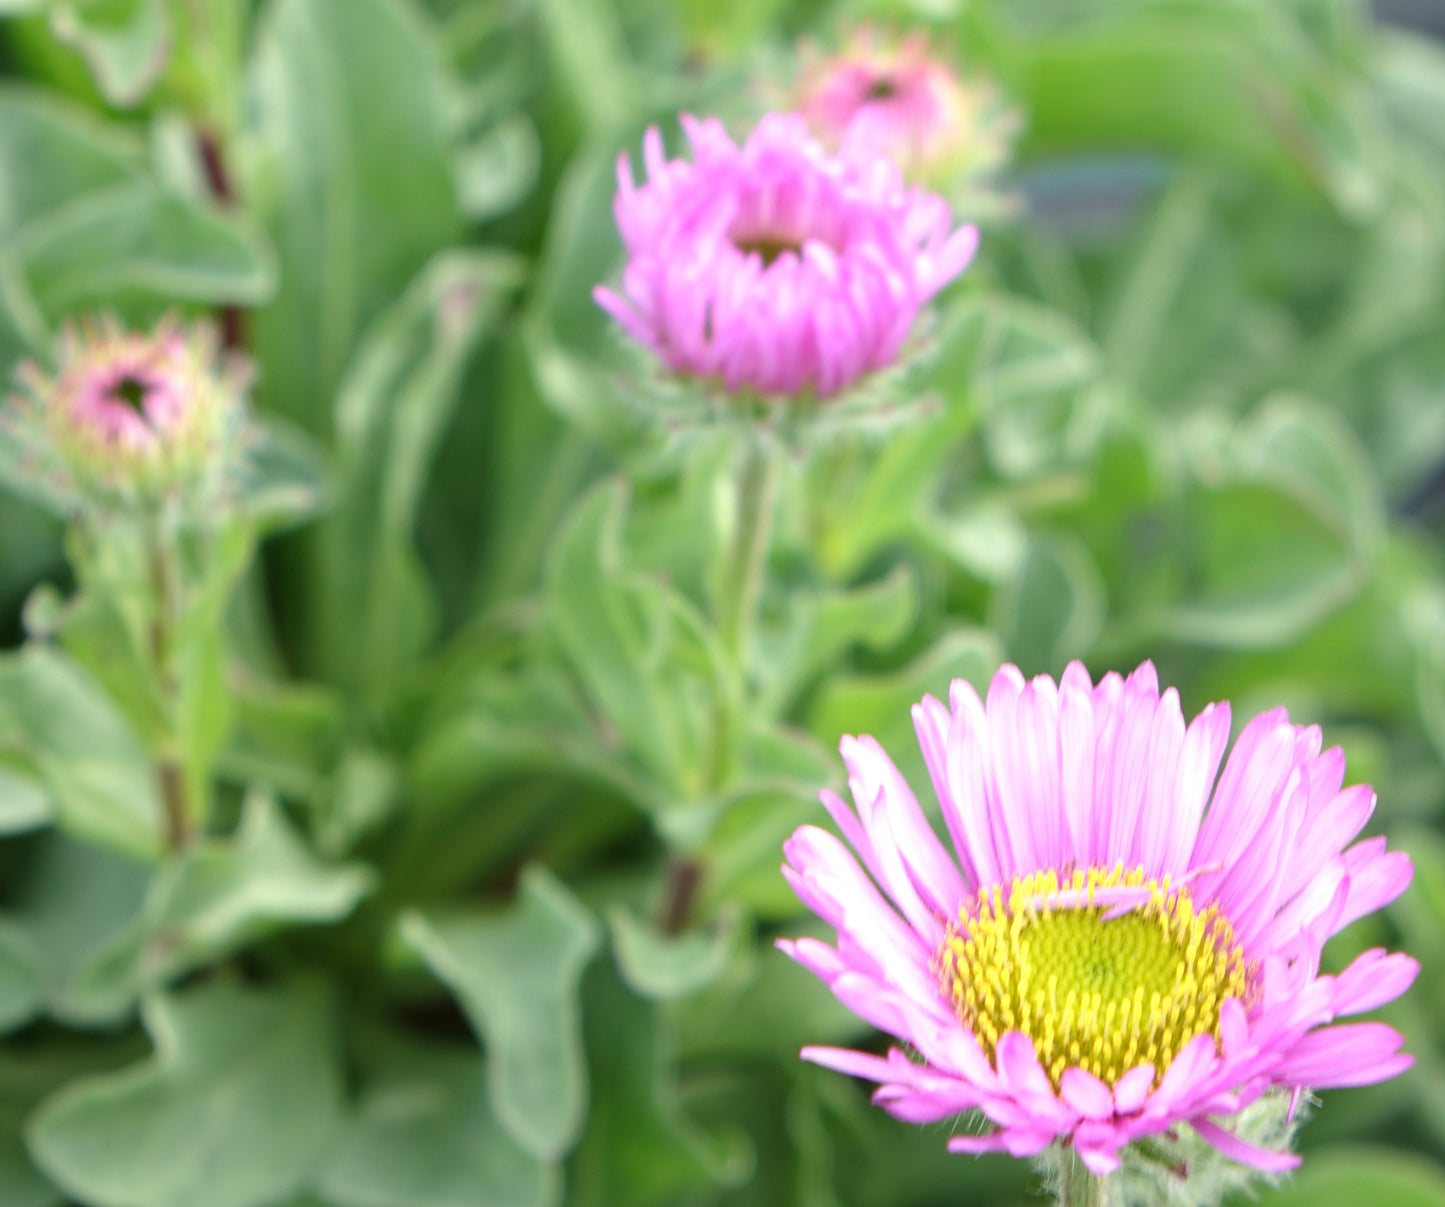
{"x":774,"y":267}
{"x":139,"y":413}
{"x":890,"y":96}
{"x":1116,"y":942}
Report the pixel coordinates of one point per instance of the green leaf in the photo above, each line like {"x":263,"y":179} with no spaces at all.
{"x":391,"y":414}
{"x":1054,"y":608}
{"x":71,"y":901}
{"x":424,"y":1135}
{"x":766,"y":1005}
{"x":22,"y":978}
{"x":500,"y":168}
{"x":741,"y":854}
{"x":21,"y":1184}
{"x":588,"y":58}
{"x":1420,"y":913}
{"x":133,"y":244}
{"x":52,"y":152}
{"x":822,"y":623}
{"x":126,"y":43}
{"x":670,"y":966}
{"x":83,"y":224}
{"x":1213,"y":82}
{"x":650,"y":664}
{"x":233,"y":1110}
{"x":284,"y":479}
{"x":640,"y":1148}
{"x":23,"y":803}
{"x":223,"y":894}
{"x":366,"y":791}
{"x":511,"y":721}
{"x":1286,"y":523}
{"x":351,"y":165}
{"x":288,"y":734}
{"x":1361,"y":1175}
{"x":99,"y":780}
{"x":1148,"y":292}
{"x":1021,"y":351}
{"x":738,"y":838}
{"x":984,"y":538}
{"x":880,"y":704}
{"x":516,"y":975}
{"x":1303,"y":444}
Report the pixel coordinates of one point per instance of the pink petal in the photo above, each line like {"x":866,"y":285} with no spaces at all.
{"x":845,"y":1060}
{"x":1086,"y":1094}
{"x":1017,"y":1143}
{"x":967,"y":757}
{"x":1132,"y":1089}
{"x":1373,"y":979}
{"x":1010,"y":825}
{"x":1242,"y":1151}
{"x":1204,"y":743}
{"x":1155,"y":839}
{"x":1345,"y":1055}
{"x":1076,"y":754}
{"x":1251,"y":781}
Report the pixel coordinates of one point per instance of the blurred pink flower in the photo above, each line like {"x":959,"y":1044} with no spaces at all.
{"x":141,"y":413}
{"x":890,"y":98}
{"x":1116,"y":943}
{"x":773,"y":267}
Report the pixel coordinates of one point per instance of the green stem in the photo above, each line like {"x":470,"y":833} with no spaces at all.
{"x":1076,"y":1186}
{"x":169,"y":770}
{"x":748,"y":556}
{"x":684,"y":875}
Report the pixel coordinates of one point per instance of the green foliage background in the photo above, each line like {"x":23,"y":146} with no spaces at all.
{"x":470,"y":727}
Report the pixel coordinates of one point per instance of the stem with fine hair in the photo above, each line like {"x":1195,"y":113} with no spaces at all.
{"x":170,"y":773}
{"x":1073,"y":1184}
{"x":754,"y":500}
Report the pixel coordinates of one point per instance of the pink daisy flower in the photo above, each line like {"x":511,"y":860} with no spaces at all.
{"x":772,"y":266}
{"x":1116,"y":942}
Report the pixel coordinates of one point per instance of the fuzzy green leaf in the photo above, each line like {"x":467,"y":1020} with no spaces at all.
{"x":424,"y":1135}
{"x":126,"y":43}
{"x":99,"y":780}
{"x":670,"y":966}
{"x":233,"y":1110}
{"x":353,"y":172}
{"x":225,"y":893}
{"x":23,"y":803}
{"x":516,"y":976}
{"x":22,"y":977}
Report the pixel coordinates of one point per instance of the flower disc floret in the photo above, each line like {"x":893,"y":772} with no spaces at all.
{"x":1094,"y":988}
{"x":1123,"y":934}
{"x":774,"y":267}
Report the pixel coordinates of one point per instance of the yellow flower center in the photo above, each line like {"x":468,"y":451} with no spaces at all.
{"x":1105,"y":994}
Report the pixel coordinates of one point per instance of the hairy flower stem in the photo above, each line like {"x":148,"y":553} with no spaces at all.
{"x":1074,"y":1186}
{"x":754,"y":500}
{"x":170,"y":773}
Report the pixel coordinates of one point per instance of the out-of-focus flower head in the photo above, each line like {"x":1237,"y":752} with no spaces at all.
{"x":128,"y":417}
{"x":1116,"y":944}
{"x":890,"y":96}
{"x":773,"y":268}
